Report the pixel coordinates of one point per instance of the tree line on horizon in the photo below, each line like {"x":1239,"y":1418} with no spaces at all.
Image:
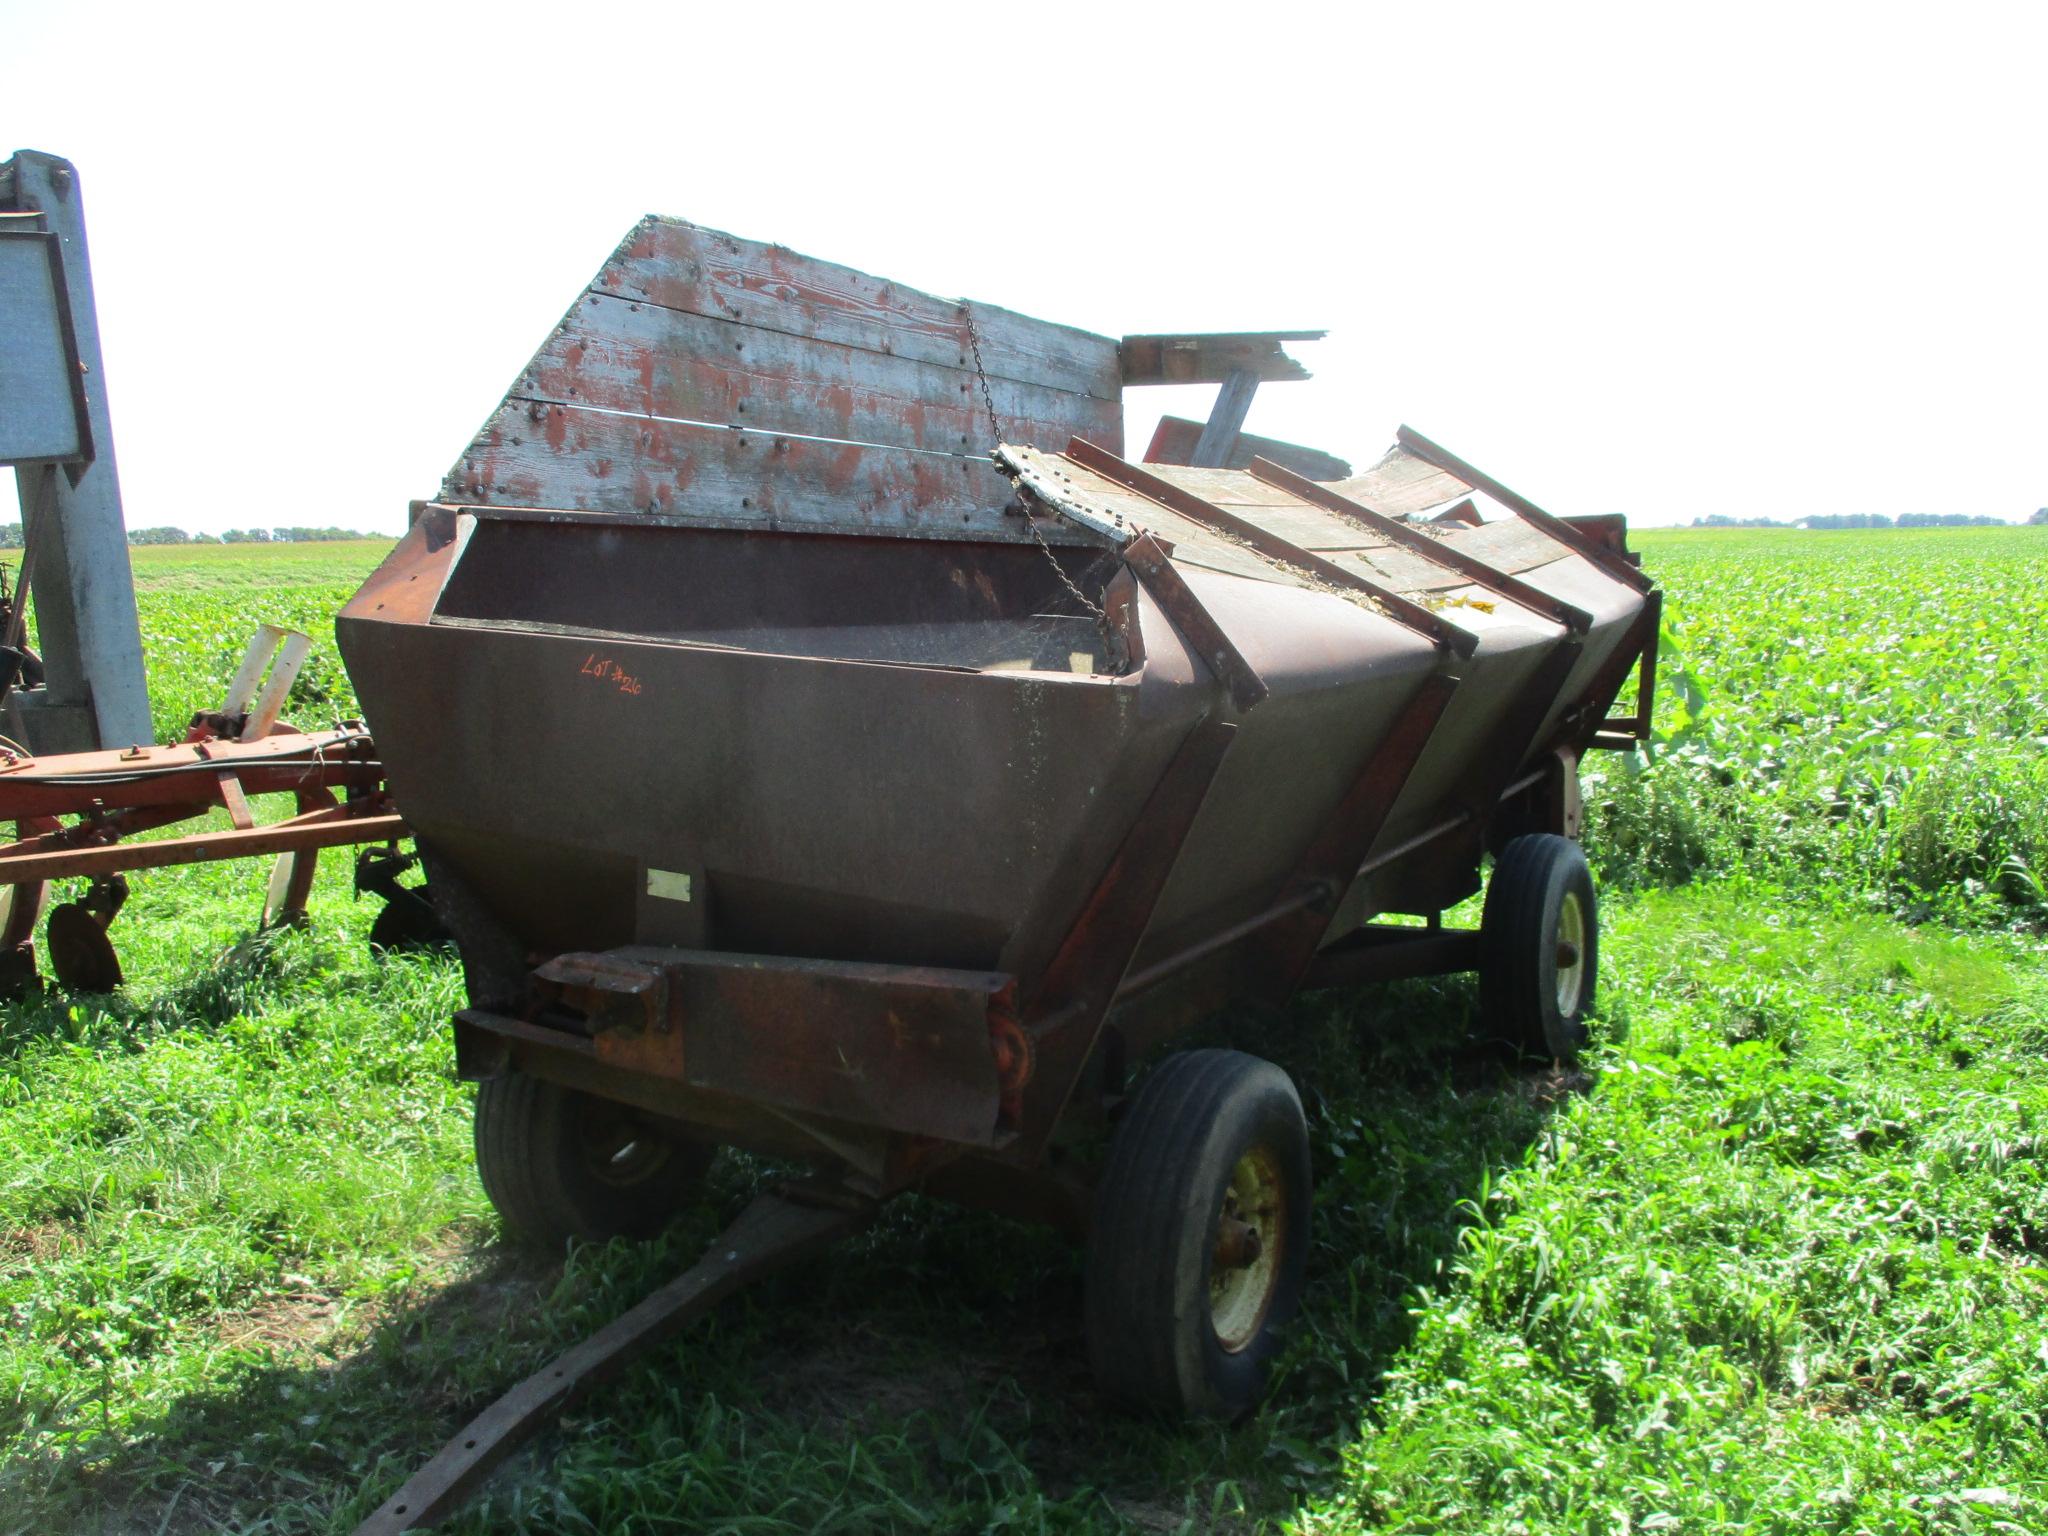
{"x":1867,"y":520}
{"x":10,"y":536}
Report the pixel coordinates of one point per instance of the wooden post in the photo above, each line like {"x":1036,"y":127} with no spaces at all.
{"x":1219,"y":436}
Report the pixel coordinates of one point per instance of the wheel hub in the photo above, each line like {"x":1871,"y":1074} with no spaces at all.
{"x":1244,"y":1263}
{"x":1571,"y":954}
{"x":617,"y":1147}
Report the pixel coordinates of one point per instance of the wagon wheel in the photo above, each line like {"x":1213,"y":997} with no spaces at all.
{"x":1539,"y":946}
{"x":1199,"y":1236}
{"x":559,"y":1164}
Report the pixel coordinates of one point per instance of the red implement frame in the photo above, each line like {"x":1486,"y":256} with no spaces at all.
{"x":109,"y":796}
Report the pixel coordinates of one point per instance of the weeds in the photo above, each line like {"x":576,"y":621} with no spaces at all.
{"x":1862,"y":715}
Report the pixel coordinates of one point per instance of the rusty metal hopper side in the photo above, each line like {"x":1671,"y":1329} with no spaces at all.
{"x":1534,"y":621}
{"x":597,"y":787}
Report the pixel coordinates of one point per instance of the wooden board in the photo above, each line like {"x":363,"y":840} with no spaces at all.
{"x":706,"y":272}
{"x":1400,"y":483}
{"x":1211,"y":358}
{"x":1510,"y":545}
{"x":537,"y":454}
{"x":618,"y":355}
{"x":1223,"y":487}
{"x":703,"y":375}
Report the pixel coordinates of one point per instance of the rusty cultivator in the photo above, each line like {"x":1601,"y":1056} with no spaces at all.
{"x":228,"y":756}
{"x":917,"y":766}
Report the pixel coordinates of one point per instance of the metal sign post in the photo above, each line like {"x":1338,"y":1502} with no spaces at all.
{"x":55,"y":430}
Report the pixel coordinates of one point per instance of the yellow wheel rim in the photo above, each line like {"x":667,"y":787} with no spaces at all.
{"x":1571,"y":954}
{"x":1250,"y":1237}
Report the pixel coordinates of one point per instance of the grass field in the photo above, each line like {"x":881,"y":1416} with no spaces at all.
{"x":1774,"y":1259}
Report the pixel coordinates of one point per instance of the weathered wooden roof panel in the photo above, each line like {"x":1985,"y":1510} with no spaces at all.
{"x":682,"y":266}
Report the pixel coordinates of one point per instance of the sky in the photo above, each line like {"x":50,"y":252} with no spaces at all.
{"x":1668,"y":261}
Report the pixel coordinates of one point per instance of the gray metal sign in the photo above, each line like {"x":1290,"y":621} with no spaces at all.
{"x":42,"y":396}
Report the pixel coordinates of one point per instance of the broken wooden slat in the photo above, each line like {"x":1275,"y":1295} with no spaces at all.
{"x":1403,"y":482}
{"x":1219,"y":434}
{"x":1212,"y":358}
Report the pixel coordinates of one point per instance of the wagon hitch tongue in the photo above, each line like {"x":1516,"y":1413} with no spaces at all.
{"x":779,"y":1228}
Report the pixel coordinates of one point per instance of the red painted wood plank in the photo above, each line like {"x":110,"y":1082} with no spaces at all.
{"x":619,"y":355}
{"x":535,"y":454}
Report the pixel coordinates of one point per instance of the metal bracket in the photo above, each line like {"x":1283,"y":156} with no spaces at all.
{"x":1332,"y":861}
{"x":1149,"y":558}
{"x":1069,"y":1001}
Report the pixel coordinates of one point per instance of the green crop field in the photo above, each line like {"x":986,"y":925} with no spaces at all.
{"x":1774,"y":1258}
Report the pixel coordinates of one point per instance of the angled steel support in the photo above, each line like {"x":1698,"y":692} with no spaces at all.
{"x":1624,"y":732}
{"x":1332,"y":860}
{"x":1066,"y":1004}
{"x":1379,"y":952}
{"x":1414,"y":442}
{"x":1155,"y":568}
{"x":1473,"y":569}
{"x":1517,"y":735}
{"x":1439,"y":630}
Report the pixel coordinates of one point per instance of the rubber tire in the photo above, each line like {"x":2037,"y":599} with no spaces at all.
{"x":531,"y":1155}
{"x":1151,"y":1341}
{"x":1518,"y":945}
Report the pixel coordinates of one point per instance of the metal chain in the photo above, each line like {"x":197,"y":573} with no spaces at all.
{"x":995,"y":432}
